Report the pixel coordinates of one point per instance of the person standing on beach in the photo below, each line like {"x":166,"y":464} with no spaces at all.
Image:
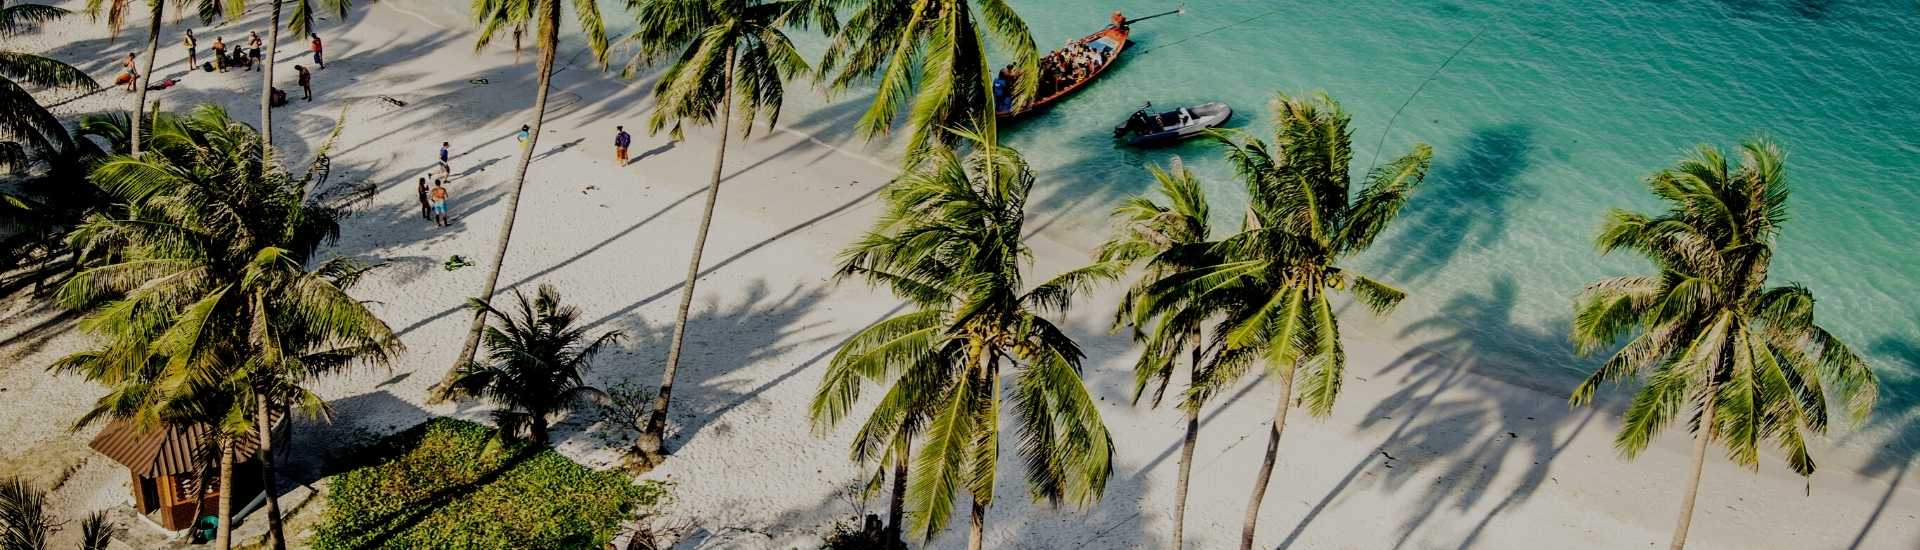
{"x":445,"y":155}
{"x":253,"y":50}
{"x":438,"y":197}
{"x":620,"y":142}
{"x":220,"y":53}
{"x":193,"y":56}
{"x":314,"y":45}
{"x":306,"y":82}
{"x":426,"y":206}
{"x":523,"y":135}
{"x":133,"y":71}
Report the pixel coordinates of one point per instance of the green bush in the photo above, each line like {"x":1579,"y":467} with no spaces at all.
{"x":449,"y":484}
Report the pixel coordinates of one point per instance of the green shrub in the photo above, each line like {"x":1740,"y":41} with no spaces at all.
{"x":450,"y":484}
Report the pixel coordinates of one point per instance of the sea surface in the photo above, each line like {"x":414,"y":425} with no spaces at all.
{"x":1542,"y":115}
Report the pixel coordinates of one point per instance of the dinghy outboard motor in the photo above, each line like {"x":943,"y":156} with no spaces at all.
{"x":1140,"y":122}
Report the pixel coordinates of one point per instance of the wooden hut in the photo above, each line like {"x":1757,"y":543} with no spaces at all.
{"x":167,"y":462}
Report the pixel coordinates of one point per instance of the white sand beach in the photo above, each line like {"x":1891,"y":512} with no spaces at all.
{"x":1422,"y":451}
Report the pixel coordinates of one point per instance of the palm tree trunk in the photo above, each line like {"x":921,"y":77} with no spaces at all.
{"x":223,"y":533}
{"x":200,"y":497}
{"x":146,"y":72}
{"x":540,"y":428}
{"x":549,"y":42}
{"x":266,"y":91}
{"x":652,"y":438}
{"x":1186,"y":454}
{"x":897,"y":507}
{"x":977,"y":528}
{"x":276,"y":534}
{"x":1266,"y":465}
{"x":1700,"y":443}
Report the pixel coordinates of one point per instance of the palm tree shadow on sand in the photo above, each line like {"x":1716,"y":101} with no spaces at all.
{"x":1456,"y":424}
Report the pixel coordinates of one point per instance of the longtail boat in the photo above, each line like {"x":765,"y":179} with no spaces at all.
{"x":1111,"y":41}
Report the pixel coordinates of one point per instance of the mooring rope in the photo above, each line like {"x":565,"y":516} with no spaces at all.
{"x":1416,"y":93}
{"x":1210,"y":31}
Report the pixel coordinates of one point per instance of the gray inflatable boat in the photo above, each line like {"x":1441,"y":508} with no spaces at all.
{"x":1145,"y":129}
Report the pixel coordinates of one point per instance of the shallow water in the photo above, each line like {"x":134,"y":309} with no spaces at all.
{"x":1551,"y":115}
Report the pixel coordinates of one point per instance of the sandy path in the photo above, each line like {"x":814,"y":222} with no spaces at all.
{"x":1421,"y":453}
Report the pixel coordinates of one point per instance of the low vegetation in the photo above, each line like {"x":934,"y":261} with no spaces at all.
{"x":451,"y":484}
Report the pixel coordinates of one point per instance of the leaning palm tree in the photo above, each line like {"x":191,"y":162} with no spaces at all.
{"x":1302,"y":220}
{"x":1743,"y":360}
{"x":1163,"y":239}
{"x":516,"y":15}
{"x":950,"y":244}
{"x":533,"y":366}
{"x":725,"y":52}
{"x":940,"y":43}
{"x":202,"y":295}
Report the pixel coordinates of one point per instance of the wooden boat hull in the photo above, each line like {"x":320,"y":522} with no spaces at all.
{"x":1113,"y":38}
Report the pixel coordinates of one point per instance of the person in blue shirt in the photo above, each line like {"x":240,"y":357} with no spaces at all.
{"x":523,"y":135}
{"x":620,"y":142}
{"x":444,"y":150}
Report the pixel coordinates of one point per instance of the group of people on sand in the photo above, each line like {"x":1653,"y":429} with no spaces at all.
{"x":251,"y":57}
{"x":433,"y":195}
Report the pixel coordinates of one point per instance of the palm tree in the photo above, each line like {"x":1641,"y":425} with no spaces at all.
{"x":729,"y":51}
{"x":544,"y":16}
{"x":203,"y":297}
{"x":949,"y":243}
{"x":25,"y":525}
{"x":52,"y":196}
{"x":534,"y":363}
{"x":1301,"y":221}
{"x":117,"y":12}
{"x":939,"y":42}
{"x":1164,"y":239}
{"x":27,"y":129}
{"x":1745,"y":359}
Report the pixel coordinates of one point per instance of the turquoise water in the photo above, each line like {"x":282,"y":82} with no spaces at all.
{"x":1554,"y":113}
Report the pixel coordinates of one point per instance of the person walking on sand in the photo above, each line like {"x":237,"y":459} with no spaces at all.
{"x":621,"y":139}
{"x":193,"y":56}
{"x":446,"y":150}
{"x":426,"y":206}
{"x":313,"y":44}
{"x":220,"y":53}
{"x":523,"y":135}
{"x":306,"y":82}
{"x":253,"y":50}
{"x":438,"y":197}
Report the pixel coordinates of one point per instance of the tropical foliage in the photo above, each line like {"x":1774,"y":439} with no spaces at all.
{"x":533,"y":366}
{"x":1273,"y":279}
{"x":950,"y":244}
{"x":1739,"y":361}
{"x":199,"y":289}
{"x":938,"y":42}
{"x":25,"y":524}
{"x":730,"y":52}
{"x":449,"y":483}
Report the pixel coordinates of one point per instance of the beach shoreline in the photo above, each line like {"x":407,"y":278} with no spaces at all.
{"x":1423,"y":451}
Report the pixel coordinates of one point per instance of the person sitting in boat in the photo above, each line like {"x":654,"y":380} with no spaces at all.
{"x":1119,"y":20}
